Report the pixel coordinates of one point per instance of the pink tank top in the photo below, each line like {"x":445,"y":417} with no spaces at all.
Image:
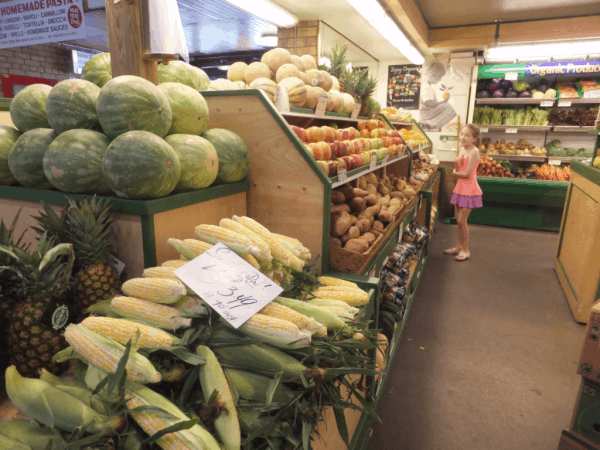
{"x":467,"y":186}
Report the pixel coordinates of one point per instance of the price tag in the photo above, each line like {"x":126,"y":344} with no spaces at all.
{"x":342,"y":175}
{"x":554,"y":162}
{"x":511,"y":130}
{"x":385,"y":159}
{"x":373,"y":161}
{"x":230,"y":285}
{"x":282,"y":99}
{"x":321,"y":105}
{"x":564,"y":103}
{"x":511,"y":76}
{"x":355,"y":111}
{"x":117,"y":264}
{"x":546,"y":103}
{"x":484,"y":130}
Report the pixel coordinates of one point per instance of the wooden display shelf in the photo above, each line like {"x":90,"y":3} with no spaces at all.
{"x":535,"y":101}
{"x":527,"y":128}
{"x":141,"y":227}
{"x":532,"y":158}
{"x":571,"y":129}
{"x":361,"y":171}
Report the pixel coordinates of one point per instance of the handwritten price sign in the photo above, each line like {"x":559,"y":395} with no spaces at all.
{"x":230,"y":285}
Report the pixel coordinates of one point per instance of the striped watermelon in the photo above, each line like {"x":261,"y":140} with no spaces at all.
{"x":25,"y":160}
{"x":72,"y":105}
{"x":190,"y":110}
{"x":141,"y":165}
{"x":184,"y":73}
{"x":198,"y":158}
{"x":8,"y":137}
{"x":232,"y":152}
{"x":73,"y":162}
{"x":28,"y":108}
{"x":130,"y":103}
{"x":98,"y":70}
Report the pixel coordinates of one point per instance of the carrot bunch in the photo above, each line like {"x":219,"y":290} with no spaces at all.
{"x":553,"y":173}
{"x":489,"y":168}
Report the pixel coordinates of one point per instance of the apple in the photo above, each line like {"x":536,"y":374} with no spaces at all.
{"x":342,"y":149}
{"x":387,"y":141}
{"x":333,"y":165}
{"x":362,"y":124}
{"x":325,"y":149}
{"x":358,"y":161}
{"x":393,"y":149}
{"x":300,"y":132}
{"x":349,"y":162}
{"x":329,"y":134}
{"x":365,"y":133}
{"x":335,"y":149}
{"x":396,"y":133}
{"x":338,"y":135}
{"x":324,"y":166}
{"x":316,"y":151}
{"x":345,"y":135}
{"x":380,"y":123}
{"x":374,"y":144}
{"x":355,"y":147}
{"x":368,"y":145}
{"x":355,"y":133}
{"x":372,"y":124}
{"x":315,"y":134}
{"x":363,"y":145}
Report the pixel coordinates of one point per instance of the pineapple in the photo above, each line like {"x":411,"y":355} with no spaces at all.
{"x":338,"y":63}
{"x":44,"y":275}
{"x":89,"y":231}
{"x":364,"y":89}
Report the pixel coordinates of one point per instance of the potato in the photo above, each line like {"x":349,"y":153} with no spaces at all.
{"x":337,"y":197}
{"x":347,"y":192}
{"x":379,"y":196}
{"x":357,"y":204}
{"x":384,"y":201}
{"x":363,"y":225}
{"x":393,"y":210}
{"x":359,"y":192}
{"x":371,"y":188}
{"x":343,"y":207}
{"x":378,"y":225}
{"x":357,"y":245}
{"x":371,"y":199}
{"x":353,"y":219}
{"x":362,"y":183}
{"x":366,"y":216}
{"x":370,"y":237}
{"x":352,"y":233}
{"x":383,"y":190}
{"x":335,"y":242}
{"x":384,"y":216}
{"x":374,"y":210}
{"x":340,"y":223}
{"x":397,"y":194}
{"x":395,"y":202}
{"x":408,"y":194}
{"x":371,"y":178}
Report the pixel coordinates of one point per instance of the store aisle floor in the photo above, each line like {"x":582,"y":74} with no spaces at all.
{"x":489,"y":354}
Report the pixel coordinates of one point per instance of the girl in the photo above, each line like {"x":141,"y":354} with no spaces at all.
{"x":434,"y":112}
{"x":467,"y":193}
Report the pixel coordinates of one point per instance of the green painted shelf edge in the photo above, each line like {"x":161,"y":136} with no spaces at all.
{"x":137,"y":207}
{"x":5,"y":104}
{"x":590,"y":173}
{"x":328,"y":114}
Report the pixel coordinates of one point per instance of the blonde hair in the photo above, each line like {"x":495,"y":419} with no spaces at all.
{"x":475,"y":132}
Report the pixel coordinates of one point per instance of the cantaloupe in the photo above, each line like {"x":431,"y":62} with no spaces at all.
{"x":327,"y":81}
{"x":276,"y":58}
{"x":221,"y":84}
{"x":336,"y":84}
{"x":273,"y":75}
{"x":237,"y":72}
{"x":339,"y":101}
{"x":349,"y":103}
{"x":315,"y":78}
{"x":312,"y":96}
{"x":299,"y":63}
{"x":266,"y":85}
{"x":296,"y":91}
{"x":330,"y":102}
{"x":257,"y":70}
{"x":309,"y":62}
{"x":304,"y":78}
{"x":287,"y":71}
{"x":239,"y":85}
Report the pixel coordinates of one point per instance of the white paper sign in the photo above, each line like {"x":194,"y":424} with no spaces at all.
{"x":282,"y":99}
{"x":40,"y":21}
{"x":564,"y":103}
{"x":385,"y":159}
{"x":230,"y":285}
{"x":546,"y":103}
{"x":355,"y":111}
{"x":511,"y":130}
{"x":373,"y":161}
{"x":116,"y":263}
{"x":484,"y":130}
{"x":321,"y":105}
{"x":554,"y":162}
{"x":342,"y":172}
{"x":512,"y":76}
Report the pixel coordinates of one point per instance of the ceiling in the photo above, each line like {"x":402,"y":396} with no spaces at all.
{"x":455,"y":13}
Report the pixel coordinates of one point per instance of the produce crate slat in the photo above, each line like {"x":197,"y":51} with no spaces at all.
{"x":356,"y":173}
{"x":533,"y":101}
{"x":571,"y":129}
{"x":310,"y":114}
{"x":540,"y":128}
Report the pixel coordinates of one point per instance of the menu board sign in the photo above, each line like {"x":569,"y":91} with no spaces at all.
{"x":404,"y":86}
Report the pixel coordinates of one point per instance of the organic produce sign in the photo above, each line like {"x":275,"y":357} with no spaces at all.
{"x":40,"y":21}
{"x":230,"y":285}
{"x":562,"y":68}
{"x":404,"y":86}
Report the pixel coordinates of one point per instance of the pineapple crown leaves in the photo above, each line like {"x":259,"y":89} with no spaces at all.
{"x":54,"y":224}
{"x":337,"y":58}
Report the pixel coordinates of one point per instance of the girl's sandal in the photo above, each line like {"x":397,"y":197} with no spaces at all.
{"x":452,"y":251}
{"x":463,"y":256}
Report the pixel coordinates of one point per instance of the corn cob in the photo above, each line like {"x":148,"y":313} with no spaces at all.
{"x":354,"y":297}
{"x":191,"y":306}
{"x":340,"y":312}
{"x":103,"y":308}
{"x":29,"y":435}
{"x":212,"y":378}
{"x":300,"y":320}
{"x":154,"y":314}
{"x":252,"y":386}
{"x":291,"y":240}
{"x":265,"y":250}
{"x":330,"y":320}
{"x":41,"y":401}
{"x":189,"y":248}
{"x":294,"y":250}
{"x":279,"y":333}
{"x":252,"y":261}
{"x":160,"y":272}
{"x":175,"y":263}
{"x":105,"y":354}
{"x":159,"y":290}
{"x":122,"y":330}
{"x":55,"y":381}
{"x":334,"y":303}
{"x":84,"y":394}
{"x":277,"y":250}
{"x":332,"y":281}
{"x":235,"y":241}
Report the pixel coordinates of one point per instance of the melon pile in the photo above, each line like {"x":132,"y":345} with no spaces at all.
{"x":123,"y":135}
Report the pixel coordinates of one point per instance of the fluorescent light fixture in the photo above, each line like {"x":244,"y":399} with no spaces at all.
{"x":266,"y":10}
{"x":554,"y":49}
{"x":323,"y":61}
{"x":223,"y":67}
{"x":267,"y":40}
{"x":375,"y":14}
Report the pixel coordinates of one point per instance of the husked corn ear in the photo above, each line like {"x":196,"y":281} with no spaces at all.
{"x":160,"y":272}
{"x":277,"y":332}
{"x":332,"y":281}
{"x":300,"y":320}
{"x":253,"y":386}
{"x":235,"y":241}
{"x":260,"y":243}
{"x":291,"y":240}
{"x":175,"y":263}
{"x":159,"y":290}
{"x":184,"y":252}
{"x":105,"y":353}
{"x":191,"y":306}
{"x":334,"y":303}
{"x":252,"y":261}
{"x":330,"y":320}
{"x":122,"y":330}
{"x":354,"y":297}
{"x":340,"y":312}
{"x":155,"y":314}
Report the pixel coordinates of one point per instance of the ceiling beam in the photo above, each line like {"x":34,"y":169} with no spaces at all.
{"x":409,"y":17}
{"x":480,"y":36}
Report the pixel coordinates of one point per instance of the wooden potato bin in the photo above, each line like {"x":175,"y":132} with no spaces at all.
{"x":577,"y":260}
{"x":141,"y":227}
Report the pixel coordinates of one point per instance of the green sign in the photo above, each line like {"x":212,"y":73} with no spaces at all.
{"x":447,"y":138}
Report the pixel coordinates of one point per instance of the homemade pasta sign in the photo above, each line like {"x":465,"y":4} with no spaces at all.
{"x":25,"y":23}
{"x":230,"y":285}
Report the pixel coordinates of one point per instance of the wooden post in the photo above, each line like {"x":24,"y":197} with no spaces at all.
{"x":129,"y":39}
{"x":458,"y":137}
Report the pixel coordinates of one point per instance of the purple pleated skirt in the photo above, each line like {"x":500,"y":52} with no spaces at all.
{"x":467,"y":201}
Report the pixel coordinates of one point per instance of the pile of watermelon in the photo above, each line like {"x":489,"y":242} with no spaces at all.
{"x":123,"y":135}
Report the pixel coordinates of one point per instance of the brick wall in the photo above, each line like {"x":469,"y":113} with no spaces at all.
{"x":301,"y":40}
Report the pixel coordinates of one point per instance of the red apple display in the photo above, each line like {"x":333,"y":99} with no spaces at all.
{"x":315,"y":150}
{"x":300,"y":132}
{"x":325,"y":149}
{"x":315,"y":134}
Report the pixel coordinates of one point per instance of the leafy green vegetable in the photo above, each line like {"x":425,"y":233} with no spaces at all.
{"x":521,"y":86}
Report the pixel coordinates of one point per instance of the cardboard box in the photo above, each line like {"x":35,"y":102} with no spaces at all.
{"x":569,"y":441}
{"x":585,"y":423}
{"x":589,"y":362}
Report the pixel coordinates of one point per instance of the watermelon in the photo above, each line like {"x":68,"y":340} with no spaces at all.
{"x":131,"y":103}
{"x":98,"y":70}
{"x":73,"y":162}
{"x":184,"y":73}
{"x":72,"y":105}
{"x":140,"y":165}
{"x":190,"y":110}
{"x":8,"y":137}
{"x":25,"y":160}
{"x":198,"y":159}
{"x":28,"y":108}
{"x":232,"y":153}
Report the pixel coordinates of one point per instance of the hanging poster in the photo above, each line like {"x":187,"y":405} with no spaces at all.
{"x":404,"y":86}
